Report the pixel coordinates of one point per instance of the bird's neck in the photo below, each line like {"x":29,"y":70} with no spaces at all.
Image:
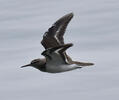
{"x":43,"y":67}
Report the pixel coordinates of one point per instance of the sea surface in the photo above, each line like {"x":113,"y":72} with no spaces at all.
{"x":94,"y":31}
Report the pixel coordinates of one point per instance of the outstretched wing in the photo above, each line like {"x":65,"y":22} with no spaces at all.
{"x":54,"y":36}
{"x":56,"y":54}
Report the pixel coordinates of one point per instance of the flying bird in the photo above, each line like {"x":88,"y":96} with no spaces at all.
{"x":55,"y":58}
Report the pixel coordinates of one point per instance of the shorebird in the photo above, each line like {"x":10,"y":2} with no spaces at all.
{"x":55,"y":58}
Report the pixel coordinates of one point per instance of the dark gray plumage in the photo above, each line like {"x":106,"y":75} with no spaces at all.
{"x":56,"y":60}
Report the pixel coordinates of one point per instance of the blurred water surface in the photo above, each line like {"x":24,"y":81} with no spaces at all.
{"x":94,"y":30}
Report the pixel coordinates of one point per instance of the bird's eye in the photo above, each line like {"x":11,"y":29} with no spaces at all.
{"x":35,"y":61}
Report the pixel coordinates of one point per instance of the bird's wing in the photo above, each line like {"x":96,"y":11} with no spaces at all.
{"x":54,"y":36}
{"x":56,"y":55}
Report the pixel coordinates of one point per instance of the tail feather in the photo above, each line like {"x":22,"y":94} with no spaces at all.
{"x":83,"y":63}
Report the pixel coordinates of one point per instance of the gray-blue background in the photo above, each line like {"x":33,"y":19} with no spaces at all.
{"x":94,"y":30}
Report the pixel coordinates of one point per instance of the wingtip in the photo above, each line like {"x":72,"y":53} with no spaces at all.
{"x":70,"y":44}
{"x":70,"y":15}
{"x":67,"y":45}
{"x":66,"y":18}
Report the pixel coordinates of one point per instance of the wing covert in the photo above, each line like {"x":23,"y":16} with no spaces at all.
{"x":54,"y":36}
{"x":58,"y":52}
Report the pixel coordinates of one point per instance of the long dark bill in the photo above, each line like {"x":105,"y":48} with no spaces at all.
{"x":26,"y":65}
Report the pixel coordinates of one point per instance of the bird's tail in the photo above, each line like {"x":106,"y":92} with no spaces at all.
{"x":83,"y":64}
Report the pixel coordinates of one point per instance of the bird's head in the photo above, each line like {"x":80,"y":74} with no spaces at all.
{"x":35,"y":63}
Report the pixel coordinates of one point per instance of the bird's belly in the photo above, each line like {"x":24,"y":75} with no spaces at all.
{"x":60,"y":68}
